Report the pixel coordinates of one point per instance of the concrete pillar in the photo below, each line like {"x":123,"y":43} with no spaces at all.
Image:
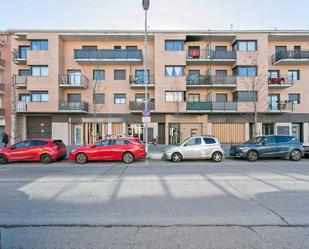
{"x":109,"y":128}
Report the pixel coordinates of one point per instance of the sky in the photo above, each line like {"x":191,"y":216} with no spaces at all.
{"x":163,"y":14}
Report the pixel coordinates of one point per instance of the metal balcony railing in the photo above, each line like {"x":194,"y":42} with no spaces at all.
{"x":107,"y":54}
{"x":139,"y":80}
{"x":207,"y":80}
{"x":282,"y":106}
{"x":290,"y":54}
{"x":211,"y":54}
{"x":139,"y":106}
{"x":73,"y":106}
{"x":212,"y":106}
{"x":73,"y":80}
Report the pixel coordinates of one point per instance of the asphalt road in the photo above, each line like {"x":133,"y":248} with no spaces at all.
{"x":155,"y":204}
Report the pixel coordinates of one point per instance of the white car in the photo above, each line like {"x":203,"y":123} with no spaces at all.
{"x":199,"y":147}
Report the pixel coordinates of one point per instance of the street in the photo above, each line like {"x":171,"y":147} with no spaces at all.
{"x":155,"y":204}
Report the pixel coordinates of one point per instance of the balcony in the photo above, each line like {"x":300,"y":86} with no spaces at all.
{"x":207,"y":81}
{"x":138,"y":81}
{"x":73,"y":107}
{"x":280,"y":82}
{"x":1,"y":88}
{"x":18,"y":58}
{"x":139,"y":106}
{"x":21,"y":106}
{"x":282,"y":106}
{"x":108,"y":56}
{"x":212,"y":106}
{"x":198,"y":57}
{"x":20,"y":81}
{"x":73,"y":81}
{"x":291,"y":57}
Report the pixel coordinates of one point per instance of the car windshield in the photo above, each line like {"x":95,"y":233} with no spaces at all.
{"x":255,"y":140}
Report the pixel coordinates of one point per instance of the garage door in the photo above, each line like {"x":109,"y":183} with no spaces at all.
{"x":227,"y":132}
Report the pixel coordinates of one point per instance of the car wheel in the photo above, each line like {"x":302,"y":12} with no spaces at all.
{"x":217,"y":156}
{"x":128,"y":157}
{"x":176,"y":157}
{"x":295,"y":155}
{"x":252,"y":156}
{"x":45,"y":158}
{"x":3,"y":159}
{"x":81,"y":158}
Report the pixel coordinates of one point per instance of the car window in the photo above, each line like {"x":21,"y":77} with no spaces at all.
{"x":194,"y":141}
{"x":269,"y":140}
{"x":281,"y":139}
{"x":209,"y":140}
{"x":38,"y":143}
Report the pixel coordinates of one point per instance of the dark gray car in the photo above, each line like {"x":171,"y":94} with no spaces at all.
{"x":269,"y":146}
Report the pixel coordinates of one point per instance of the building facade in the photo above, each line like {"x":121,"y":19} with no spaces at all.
{"x":81,"y":86}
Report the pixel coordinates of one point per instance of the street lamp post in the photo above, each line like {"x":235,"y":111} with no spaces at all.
{"x":146,"y":4}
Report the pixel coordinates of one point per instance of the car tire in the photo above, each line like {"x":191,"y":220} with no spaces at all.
{"x":128,"y":157}
{"x":217,"y":156}
{"x":252,"y":156}
{"x":81,"y":158}
{"x":45,"y":158}
{"x":176,"y":157}
{"x":3,"y":159}
{"x":295,"y":155}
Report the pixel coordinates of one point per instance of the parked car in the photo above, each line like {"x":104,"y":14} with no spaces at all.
{"x":199,"y":147}
{"x":44,"y":150}
{"x":269,"y":146}
{"x":306,"y":149}
{"x":111,"y":149}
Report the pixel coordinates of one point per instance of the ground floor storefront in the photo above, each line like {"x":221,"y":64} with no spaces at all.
{"x":78,"y":129}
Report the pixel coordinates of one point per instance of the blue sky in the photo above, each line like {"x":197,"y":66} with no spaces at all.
{"x":163,"y":14}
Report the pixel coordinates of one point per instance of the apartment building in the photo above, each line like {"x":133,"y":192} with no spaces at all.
{"x":84,"y":85}
{"x":5,"y":84}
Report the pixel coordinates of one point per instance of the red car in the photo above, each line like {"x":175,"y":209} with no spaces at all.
{"x":44,"y":150}
{"x":111,"y":149}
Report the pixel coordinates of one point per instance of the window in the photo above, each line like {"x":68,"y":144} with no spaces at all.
{"x":39,"y":45}
{"x":221,"y":97}
{"x":74,"y":97}
{"x":245,"y":46}
{"x":24,"y":97}
{"x":173,"y":45}
{"x":294,"y":75}
{"x":99,"y":98}
{"x":23,"y":52}
{"x":39,"y":70}
{"x":209,"y":140}
{"x":39,"y":96}
{"x":273,"y":74}
{"x":119,"y":74}
{"x":174,"y":71}
{"x":193,"y":98}
{"x":245,"y":96}
{"x":98,"y":75}
{"x":24,"y":72}
{"x":193,"y":141}
{"x":294,"y":98}
{"x":245,"y":71}
{"x":174,"y":96}
{"x":119,"y":98}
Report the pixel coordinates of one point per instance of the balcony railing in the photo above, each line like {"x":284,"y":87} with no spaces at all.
{"x":291,"y":55}
{"x":135,"y":80}
{"x":206,"y":54}
{"x":108,"y":55}
{"x":73,"y":106}
{"x":139,"y":106}
{"x":20,"y":81}
{"x":211,"y":81}
{"x":212,"y":106}
{"x":282,"y":106}
{"x":282,"y":81}
{"x":73,"y":81}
